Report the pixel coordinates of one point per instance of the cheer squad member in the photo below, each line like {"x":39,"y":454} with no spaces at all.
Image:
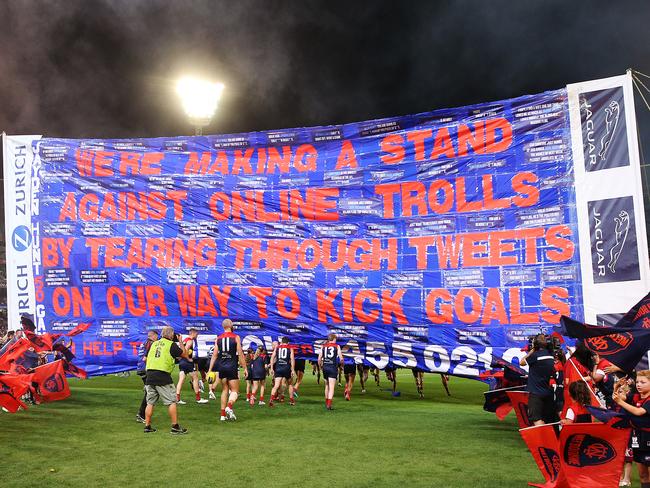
{"x":188,"y":367}
{"x":213,"y":375}
{"x":283,"y":368}
{"x":258,"y":374}
{"x":329,"y":358}
{"x":202,"y":363}
{"x":315,"y":368}
{"x":418,"y":375}
{"x":228,"y":351}
{"x":391,"y":376}
{"x":350,"y":371}
{"x":279,"y":396}
{"x":604,"y":381}
{"x":578,"y":367}
{"x":581,"y":398}
{"x":363,"y":371}
{"x":626,"y":387}
{"x":445,"y":382}
{"x":375,"y":373}
{"x":639,"y":406}
{"x":249,"y":379}
{"x":300,"y":373}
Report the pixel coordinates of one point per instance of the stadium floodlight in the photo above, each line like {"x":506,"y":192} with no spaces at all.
{"x":200,"y":99}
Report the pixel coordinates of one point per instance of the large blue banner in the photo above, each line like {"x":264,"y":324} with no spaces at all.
{"x":433,"y":240}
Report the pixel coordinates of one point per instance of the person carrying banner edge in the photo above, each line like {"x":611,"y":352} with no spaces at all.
{"x":159,"y":384}
{"x":228,"y":351}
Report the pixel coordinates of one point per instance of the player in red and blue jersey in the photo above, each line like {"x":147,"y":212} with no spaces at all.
{"x":350,"y":371}
{"x":300,"y":373}
{"x":258,"y":374}
{"x":283,"y":367}
{"x":250,"y":352}
{"x":329,"y":359}
{"x":228,"y":352}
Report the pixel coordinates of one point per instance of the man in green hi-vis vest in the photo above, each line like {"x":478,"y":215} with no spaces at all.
{"x":159,"y":383}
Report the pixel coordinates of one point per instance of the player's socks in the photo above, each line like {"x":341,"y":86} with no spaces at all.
{"x":262,"y":398}
{"x":229,"y":405}
{"x":248,"y":397}
{"x":178,"y":397}
{"x":198,"y":396}
{"x":223,"y":412}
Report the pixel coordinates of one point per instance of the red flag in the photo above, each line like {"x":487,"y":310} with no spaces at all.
{"x":74,"y":370}
{"x":519,"y":401}
{"x":12,"y":387}
{"x":544,"y":445}
{"x":10,"y":402}
{"x":17,"y":384}
{"x":13,"y":352}
{"x":593,"y":454}
{"x":51,"y":381}
{"x":502,"y":411}
{"x":574,"y":371}
{"x":79,"y":329}
{"x":42,"y":342}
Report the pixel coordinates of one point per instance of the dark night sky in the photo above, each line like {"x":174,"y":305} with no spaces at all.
{"x":83,"y":68}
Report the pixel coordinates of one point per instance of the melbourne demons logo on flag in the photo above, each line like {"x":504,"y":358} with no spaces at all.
{"x":623,"y":344}
{"x":51,"y":381}
{"x":586,"y":450}
{"x":610,"y":344}
{"x":551,"y":461}
{"x":592,"y":454}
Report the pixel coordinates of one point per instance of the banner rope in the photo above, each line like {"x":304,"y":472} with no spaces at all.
{"x":639,"y":73}
{"x":636,"y":80}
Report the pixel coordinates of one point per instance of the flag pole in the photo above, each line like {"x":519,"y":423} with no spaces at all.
{"x":586,"y":382}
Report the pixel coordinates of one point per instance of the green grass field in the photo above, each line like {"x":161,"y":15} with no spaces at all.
{"x":92,"y":439}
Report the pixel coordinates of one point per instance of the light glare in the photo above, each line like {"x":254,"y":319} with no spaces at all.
{"x":199,"y":98}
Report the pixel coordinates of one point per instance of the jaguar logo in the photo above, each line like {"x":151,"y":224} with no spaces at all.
{"x":622,"y":227}
{"x":612,"y":114}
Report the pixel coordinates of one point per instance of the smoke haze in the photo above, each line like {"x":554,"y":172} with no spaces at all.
{"x":80,"y":68}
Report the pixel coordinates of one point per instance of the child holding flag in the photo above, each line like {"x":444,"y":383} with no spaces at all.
{"x":577,"y":411}
{"x":639,"y":406}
